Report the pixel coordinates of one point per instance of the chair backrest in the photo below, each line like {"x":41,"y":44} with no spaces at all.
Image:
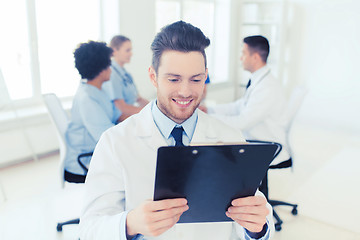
{"x":4,"y":94}
{"x":294,"y":103}
{"x":61,"y":120}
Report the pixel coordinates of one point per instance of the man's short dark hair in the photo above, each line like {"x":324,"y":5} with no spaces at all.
{"x":118,"y":40}
{"x":91,"y":58}
{"x":178,"y":36}
{"x":258,"y":44}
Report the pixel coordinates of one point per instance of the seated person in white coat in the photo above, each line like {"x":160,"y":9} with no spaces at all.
{"x":92,"y":111}
{"x":258,"y":114}
{"x":120,"y":182}
{"x":121,"y":88}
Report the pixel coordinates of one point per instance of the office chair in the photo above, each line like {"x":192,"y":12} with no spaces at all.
{"x":288,"y":117}
{"x":60,"y":119}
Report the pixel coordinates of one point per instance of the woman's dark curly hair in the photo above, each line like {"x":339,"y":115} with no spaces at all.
{"x":92,"y":58}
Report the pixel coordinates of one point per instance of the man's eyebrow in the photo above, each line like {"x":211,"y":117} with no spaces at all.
{"x":197,"y":75}
{"x":177,"y":75}
{"x":172,"y":75}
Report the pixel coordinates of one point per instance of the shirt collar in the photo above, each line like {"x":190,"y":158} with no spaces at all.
{"x":90,"y":88}
{"x":258,"y":74}
{"x":166,"y":125}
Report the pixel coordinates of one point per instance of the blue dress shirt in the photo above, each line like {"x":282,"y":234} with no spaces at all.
{"x":166,"y":125}
{"x":120,"y":85}
{"x":91,"y":114}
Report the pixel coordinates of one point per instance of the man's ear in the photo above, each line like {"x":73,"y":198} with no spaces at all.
{"x":152,"y":76}
{"x":257,"y":57}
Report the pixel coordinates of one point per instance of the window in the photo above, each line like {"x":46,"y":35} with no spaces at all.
{"x":61,"y":26}
{"x":37,"y":44}
{"x":213,"y":18}
{"x":15,"y":49}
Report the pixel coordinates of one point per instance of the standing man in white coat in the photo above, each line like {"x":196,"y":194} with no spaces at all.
{"x":259,"y":113}
{"x":120,"y":181}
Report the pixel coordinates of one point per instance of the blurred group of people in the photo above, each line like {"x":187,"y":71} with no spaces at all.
{"x":106,"y":96}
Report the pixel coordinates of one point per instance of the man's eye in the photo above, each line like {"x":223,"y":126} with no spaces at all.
{"x":196,"y":80}
{"x":173,"y":80}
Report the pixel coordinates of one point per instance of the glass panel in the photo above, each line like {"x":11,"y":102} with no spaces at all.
{"x":61,"y":26}
{"x":261,"y":12}
{"x":14,"y":49}
{"x":166,"y":12}
{"x":221,"y":43}
{"x":201,"y":15}
{"x":250,"y":12}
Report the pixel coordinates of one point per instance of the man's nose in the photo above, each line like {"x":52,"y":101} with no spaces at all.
{"x":185,"y":89}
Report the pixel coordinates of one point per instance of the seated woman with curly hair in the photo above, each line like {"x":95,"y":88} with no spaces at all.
{"x":92,"y":111}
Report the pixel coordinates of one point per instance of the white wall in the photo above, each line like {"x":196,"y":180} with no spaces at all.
{"x":324,"y":39}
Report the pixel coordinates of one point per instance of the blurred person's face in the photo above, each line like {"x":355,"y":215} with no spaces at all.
{"x":247,"y":58}
{"x":180,"y":83}
{"x":123,"y":53}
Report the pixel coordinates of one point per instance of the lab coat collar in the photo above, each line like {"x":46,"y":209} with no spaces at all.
{"x":147,"y":129}
{"x":204,"y":131}
{"x":259,"y":74}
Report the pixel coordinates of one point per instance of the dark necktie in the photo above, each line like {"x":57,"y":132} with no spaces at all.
{"x":248,"y":84}
{"x":177,"y":133}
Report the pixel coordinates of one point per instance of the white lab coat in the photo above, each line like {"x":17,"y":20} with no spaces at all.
{"x":259,"y":113}
{"x":122,"y":175}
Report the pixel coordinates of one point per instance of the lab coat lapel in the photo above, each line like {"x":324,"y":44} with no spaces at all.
{"x":204,"y":131}
{"x":255,"y":81}
{"x":147,"y":131}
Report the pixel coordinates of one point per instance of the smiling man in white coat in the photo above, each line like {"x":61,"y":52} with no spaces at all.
{"x":259,"y":113}
{"x":120,"y":181}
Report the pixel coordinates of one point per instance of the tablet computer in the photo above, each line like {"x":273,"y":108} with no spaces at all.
{"x":211,"y":176}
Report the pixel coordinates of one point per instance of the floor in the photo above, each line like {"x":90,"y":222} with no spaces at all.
{"x":319,"y":182}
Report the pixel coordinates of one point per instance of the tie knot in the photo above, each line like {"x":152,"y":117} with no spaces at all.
{"x":177,"y":133}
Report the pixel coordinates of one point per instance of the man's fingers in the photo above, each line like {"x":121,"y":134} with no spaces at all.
{"x":168,"y":213}
{"x":166,"y":204}
{"x":249,"y":201}
{"x":249,"y":212}
{"x":257,"y":210}
{"x":161,"y":226}
{"x":257,"y":219}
